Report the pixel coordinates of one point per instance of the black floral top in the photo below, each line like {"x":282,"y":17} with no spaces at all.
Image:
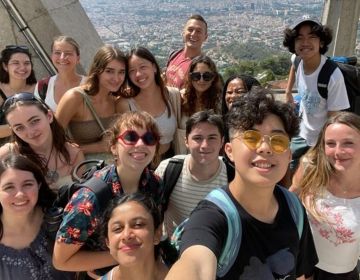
{"x":81,"y":215}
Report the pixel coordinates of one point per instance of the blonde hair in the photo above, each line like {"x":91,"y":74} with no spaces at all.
{"x":317,"y":168}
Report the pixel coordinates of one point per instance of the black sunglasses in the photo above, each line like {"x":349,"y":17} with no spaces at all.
{"x":206,"y":76}
{"x":14,"y":47}
{"x":130,"y":137}
{"x":23,"y":96}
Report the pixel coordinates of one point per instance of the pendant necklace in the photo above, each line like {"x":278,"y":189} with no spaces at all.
{"x":51,"y":175}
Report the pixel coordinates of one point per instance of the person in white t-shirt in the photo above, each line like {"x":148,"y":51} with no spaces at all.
{"x":65,"y":55}
{"x":203,"y":169}
{"x":328,"y":182}
{"x":309,"y":40}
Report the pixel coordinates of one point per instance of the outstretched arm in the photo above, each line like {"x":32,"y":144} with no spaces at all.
{"x":197,"y":262}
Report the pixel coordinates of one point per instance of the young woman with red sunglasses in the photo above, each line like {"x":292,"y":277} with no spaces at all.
{"x":134,"y":145}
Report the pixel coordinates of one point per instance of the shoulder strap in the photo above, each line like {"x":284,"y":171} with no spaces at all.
{"x":42,"y":87}
{"x":233,"y":239}
{"x":324,"y":77}
{"x":297,"y":62}
{"x":100,"y":188}
{"x":172,"y":55}
{"x":171,"y":175}
{"x":92,"y":109}
{"x":296,"y":209}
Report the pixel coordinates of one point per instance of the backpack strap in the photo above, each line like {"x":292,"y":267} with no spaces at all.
{"x":42,"y":87}
{"x":233,"y":240}
{"x":171,"y":175}
{"x":324,"y":77}
{"x":172,"y":55}
{"x":297,"y":62}
{"x":296,"y":209}
{"x":101,"y":190}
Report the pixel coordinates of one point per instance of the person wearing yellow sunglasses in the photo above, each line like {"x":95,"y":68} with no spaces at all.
{"x":272,"y":246}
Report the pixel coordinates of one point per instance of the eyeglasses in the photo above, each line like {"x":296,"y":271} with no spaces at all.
{"x":23,"y":96}
{"x":206,"y":76}
{"x":130,"y":137}
{"x":14,"y":47}
{"x":252,"y":139}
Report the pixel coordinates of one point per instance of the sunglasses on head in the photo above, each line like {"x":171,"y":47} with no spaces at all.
{"x":279,"y":143}
{"x":206,"y":76}
{"x":130,"y":137}
{"x":23,"y":96}
{"x":14,"y":47}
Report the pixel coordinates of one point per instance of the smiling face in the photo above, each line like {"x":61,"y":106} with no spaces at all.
{"x":342,"y":147}
{"x":113,"y":76}
{"x":260,"y":167}
{"x":307,"y":44}
{"x":64,"y":56}
{"x":235,"y":88}
{"x":19,"y":66}
{"x":194,"y":34}
{"x":31,"y":124}
{"x":18,"y":191}
{"x":204,"y":143}
{"x":133,"y":157}
{"x":202,"y":85}
{"x":141,"y":72}
{"x":131,"y":234}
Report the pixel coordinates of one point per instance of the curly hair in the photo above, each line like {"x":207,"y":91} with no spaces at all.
{"x":318,"y":169}
{"x":208,"y":99}
{"x":322,"y":31}
{"x":248,"y":81}
{"x":254,"y":106}
{"x":46,"y":196}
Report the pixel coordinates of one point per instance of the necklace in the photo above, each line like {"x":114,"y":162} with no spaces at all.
{"x":51,"y":175}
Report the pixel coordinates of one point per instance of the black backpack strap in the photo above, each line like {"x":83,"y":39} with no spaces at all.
{"x":101,"y":190}
{"x":297,"y":62}
{"x":42,"y":87}
{"x":324,"y":77}
{"x":172,"y":55}
{"x":3,"y":95}
{"x":171,"y":175}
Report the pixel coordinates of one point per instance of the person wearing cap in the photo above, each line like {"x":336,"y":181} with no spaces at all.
{"x":309,"y":40}
{"x":194,"y":35}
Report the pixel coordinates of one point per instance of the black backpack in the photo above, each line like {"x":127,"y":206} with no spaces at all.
{"x":54,"y":215}
{"x":351,"y":75}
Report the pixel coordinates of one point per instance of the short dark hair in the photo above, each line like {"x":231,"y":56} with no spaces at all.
{"x":144,"y":200}
{"x":199,"y":18}
{"x":6,"y":56}
{"x":322,"y":31}
{"x":207,"y":116}
{"x":253,"y":107}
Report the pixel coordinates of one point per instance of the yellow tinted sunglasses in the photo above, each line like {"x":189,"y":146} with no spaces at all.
{"x":279,"y":143}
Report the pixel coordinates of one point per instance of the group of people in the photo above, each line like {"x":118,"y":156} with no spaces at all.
{"x":179,"y":144}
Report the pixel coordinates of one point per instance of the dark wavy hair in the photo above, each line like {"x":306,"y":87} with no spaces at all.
{"x":18,"y":162}
{"x":102,"y":58}
{"x":248,"y":81}
{"x":144,"y":53}
{"x":58,"y":135}
{"x":145,"y":201}
{"x":211,"y":97}
{"x":5,"y":58}
{"x":322,"y":31}
{"x":253,"y":107}
{"x":207,"y":116}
